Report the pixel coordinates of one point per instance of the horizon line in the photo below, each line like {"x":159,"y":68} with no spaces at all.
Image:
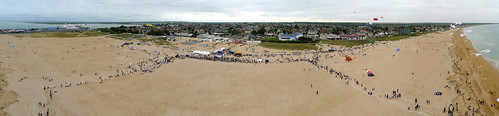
{"x":245,"y":22}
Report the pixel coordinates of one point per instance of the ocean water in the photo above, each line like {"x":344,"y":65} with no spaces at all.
{"x":485,"y":39}
{"x":20,"y":25}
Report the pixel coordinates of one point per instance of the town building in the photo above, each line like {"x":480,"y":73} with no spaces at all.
{"x":290,"y":37}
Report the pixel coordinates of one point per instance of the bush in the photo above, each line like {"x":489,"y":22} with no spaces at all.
{"x":305,"y":39}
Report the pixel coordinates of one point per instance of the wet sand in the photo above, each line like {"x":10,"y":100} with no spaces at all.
{"x":476,"y":78}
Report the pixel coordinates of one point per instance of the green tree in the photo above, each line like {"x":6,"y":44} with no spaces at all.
{"x":261,"y":31}
{"x":195,"y":34}
{"x":253,"y":32}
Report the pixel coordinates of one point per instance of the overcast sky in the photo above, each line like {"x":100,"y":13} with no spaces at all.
{"x":484,"y":11}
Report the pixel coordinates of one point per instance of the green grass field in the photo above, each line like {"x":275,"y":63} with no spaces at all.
{"x":289,"y":46}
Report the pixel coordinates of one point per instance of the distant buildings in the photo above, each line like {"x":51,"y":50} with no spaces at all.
{"x":75,"y":27}
{"x":329,"y":36}
{"x":290,"y":37}
{"x":352,"y":37}
{"x":312,"y":34}
{"x":12,"y":31}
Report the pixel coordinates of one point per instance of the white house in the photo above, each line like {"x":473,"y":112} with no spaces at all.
{"x":312,"y":34}
{"x":329,"y":36}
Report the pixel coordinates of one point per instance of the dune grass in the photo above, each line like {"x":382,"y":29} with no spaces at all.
{"x":126,"y":36}
{"x":289,"y":46}
{"x":63,"y":34}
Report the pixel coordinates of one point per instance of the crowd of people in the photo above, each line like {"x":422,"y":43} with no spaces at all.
{"x":151,"y":64}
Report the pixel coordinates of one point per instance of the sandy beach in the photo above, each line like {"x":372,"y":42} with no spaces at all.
{"x":97,"y":76}
{"x":476,"y":78}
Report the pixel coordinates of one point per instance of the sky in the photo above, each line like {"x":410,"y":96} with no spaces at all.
{"x":481,"y":11}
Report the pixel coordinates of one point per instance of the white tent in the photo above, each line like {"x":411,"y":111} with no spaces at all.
{"x":201,"y":53}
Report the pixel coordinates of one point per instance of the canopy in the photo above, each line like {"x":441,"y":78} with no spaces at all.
{"x":201,"y":52}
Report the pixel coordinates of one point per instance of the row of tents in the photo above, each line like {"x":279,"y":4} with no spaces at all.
{"x":218,"y":53}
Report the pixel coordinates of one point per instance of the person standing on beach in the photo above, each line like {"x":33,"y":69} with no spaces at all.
{"x":50,"y":94}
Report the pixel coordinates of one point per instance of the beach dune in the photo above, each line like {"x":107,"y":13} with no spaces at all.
{"x":91,"y":76}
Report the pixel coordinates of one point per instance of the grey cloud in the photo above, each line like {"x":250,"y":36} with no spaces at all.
{"x":254,"y":10}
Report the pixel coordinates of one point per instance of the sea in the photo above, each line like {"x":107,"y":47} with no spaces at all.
{"x":22,"y":25}
{"x":485,"y":39}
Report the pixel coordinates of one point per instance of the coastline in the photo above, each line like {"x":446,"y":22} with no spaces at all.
{"x":491,"y":61}
{"x":474,"y":77}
